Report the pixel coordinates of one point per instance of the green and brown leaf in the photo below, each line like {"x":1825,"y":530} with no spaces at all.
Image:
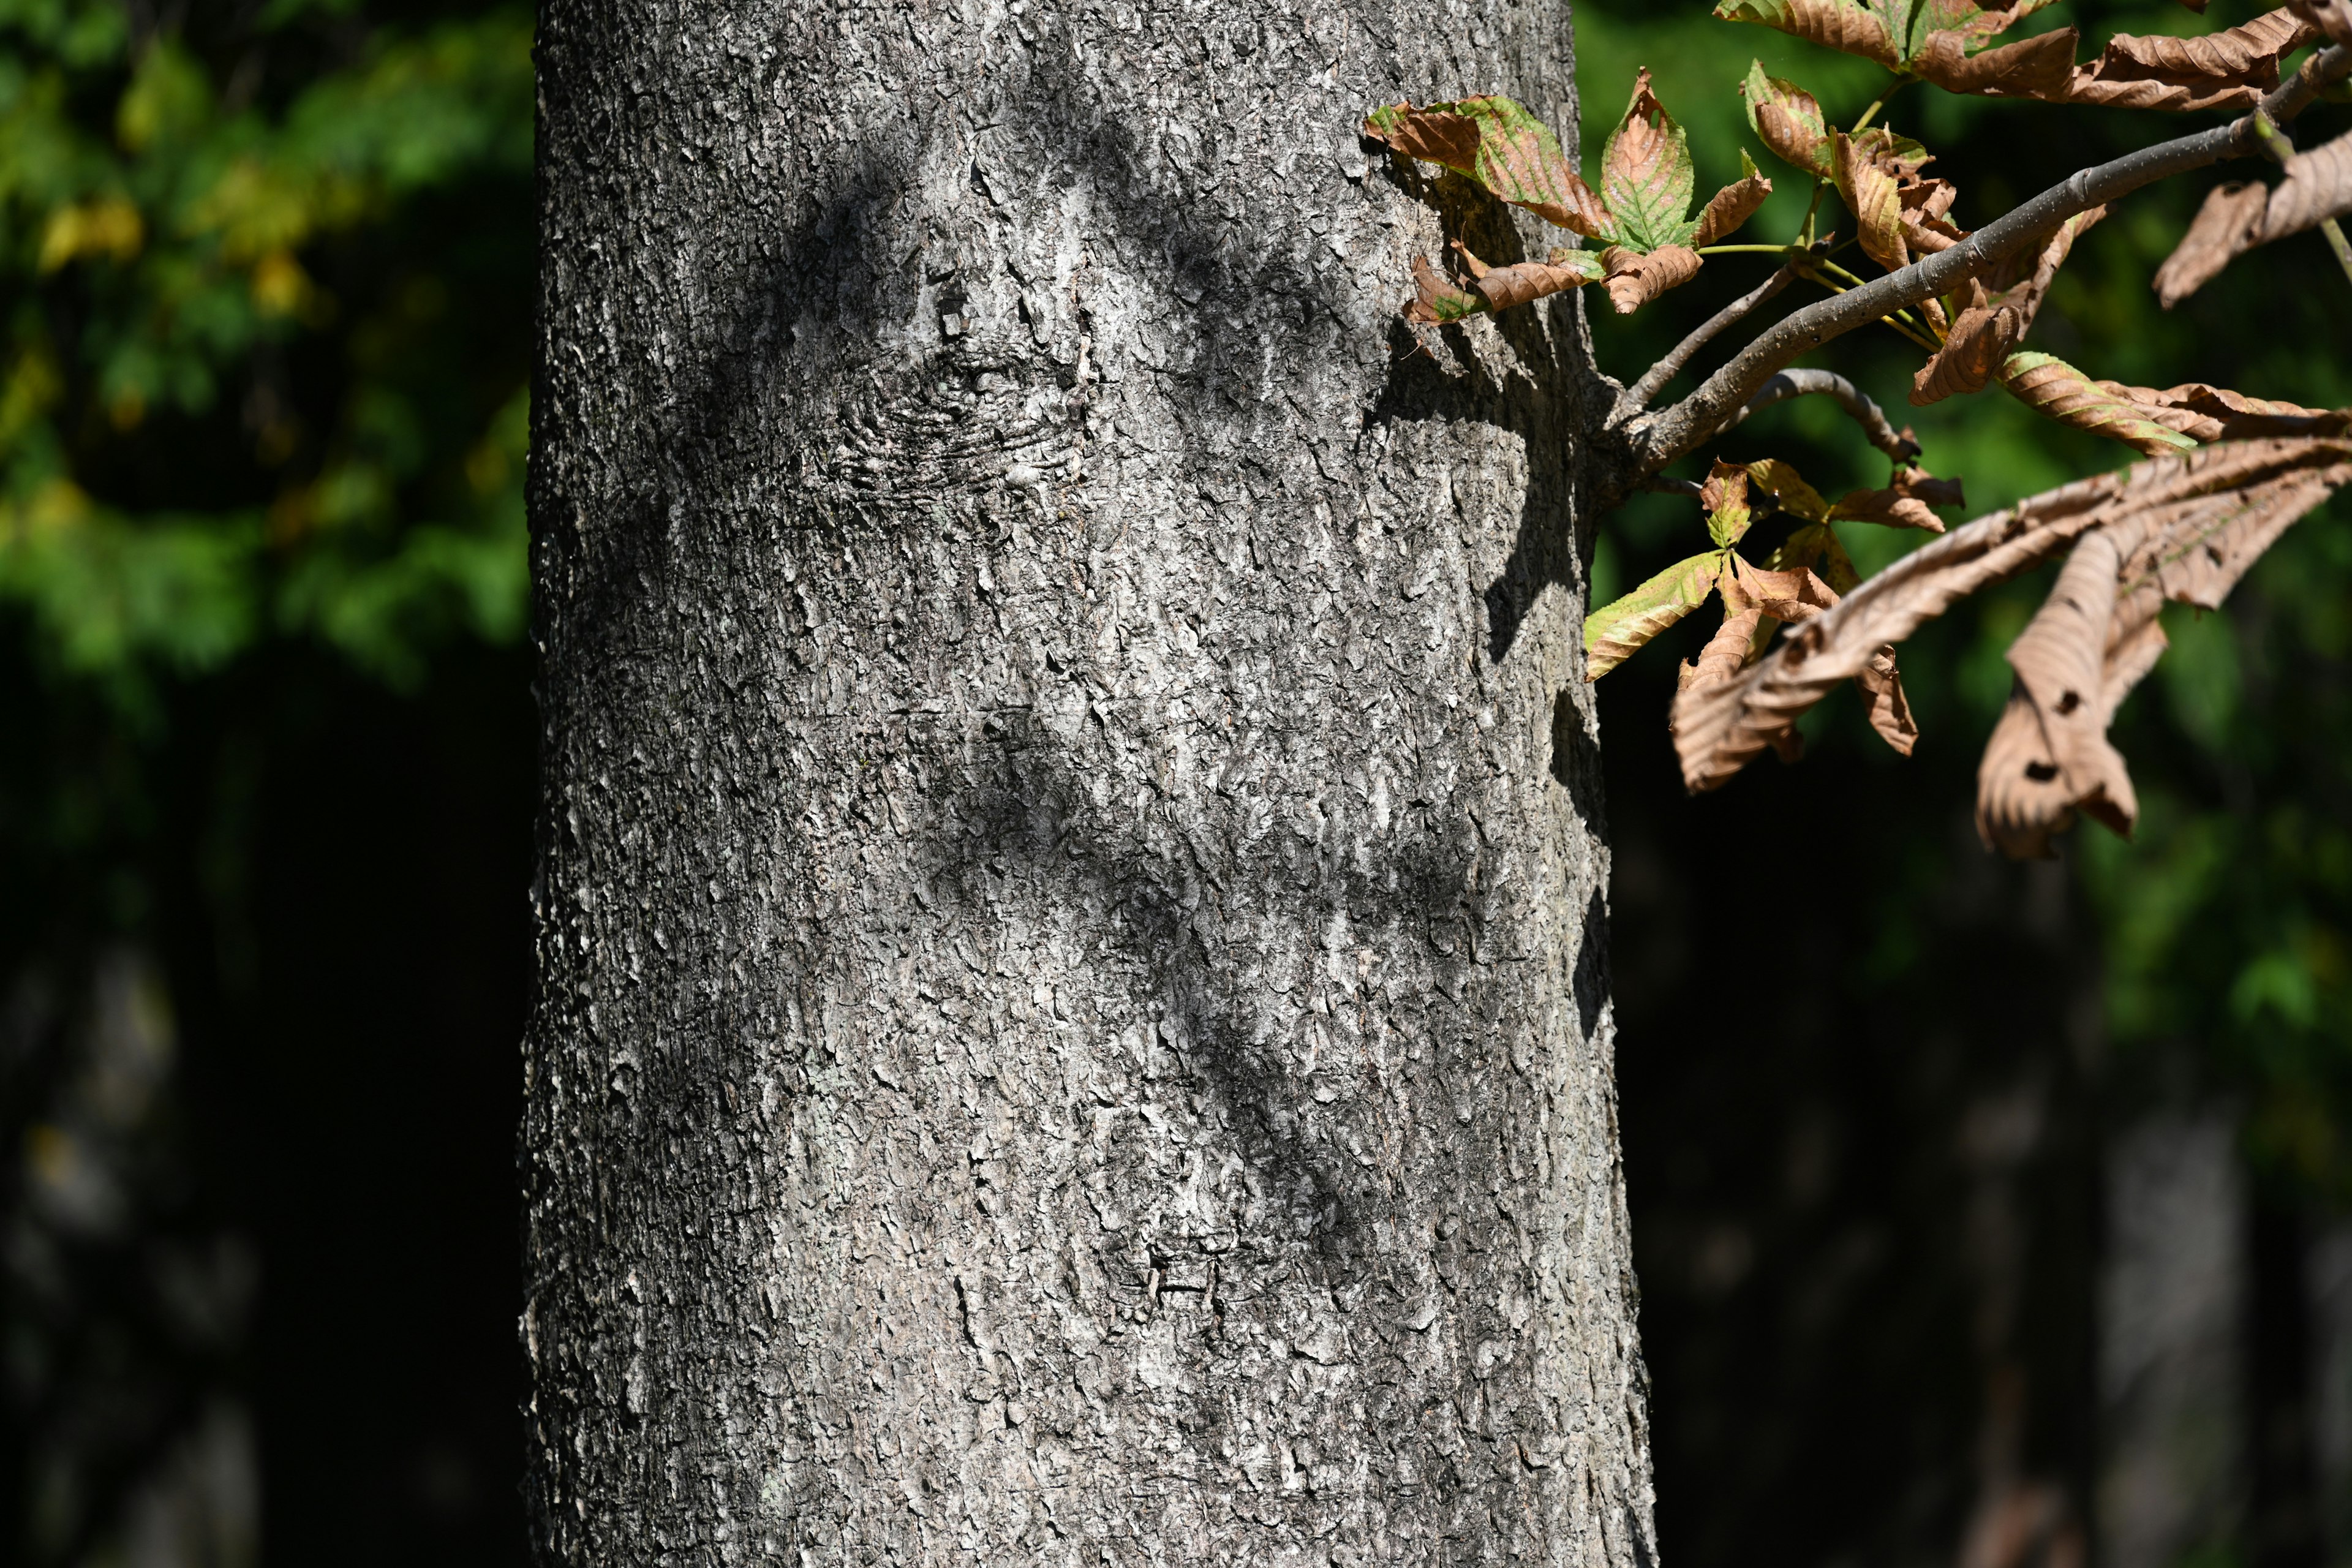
{"x":1498,"y":143}
{"x":1617,"y":630}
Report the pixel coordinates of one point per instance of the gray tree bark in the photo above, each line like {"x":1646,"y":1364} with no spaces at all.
{"x":1072,"y":1017}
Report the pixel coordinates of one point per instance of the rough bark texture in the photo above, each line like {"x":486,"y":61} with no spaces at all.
{"x":1072,"y":1017}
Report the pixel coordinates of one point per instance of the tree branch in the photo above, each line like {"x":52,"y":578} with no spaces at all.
{"x":1637,"y":396}
{"x":1788,"y":384}
{"x":1674,"y":431}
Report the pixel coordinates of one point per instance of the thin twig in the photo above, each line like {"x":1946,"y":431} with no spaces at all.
{"x":1788,"y":384}
{"x":1637,"y":396}
{"x":1673,"y":431}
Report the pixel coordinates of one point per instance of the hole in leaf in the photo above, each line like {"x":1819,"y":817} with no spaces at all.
{"x":2042,"y":773}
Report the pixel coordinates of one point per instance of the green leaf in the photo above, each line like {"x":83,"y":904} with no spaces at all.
{"x":1613,"y":633}
{"x":1647,"y":178}
{"x":1496,"y":143}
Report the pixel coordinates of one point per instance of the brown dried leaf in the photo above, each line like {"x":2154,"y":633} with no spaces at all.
{"x":1504,"y":287}
{"x":2206,"y":413}
{"x":2032,"y":67}
{"x":1435,"y":301}
{"x":2047,"y":257}
{"x":1986,"y":333}
{"x":2242,"y":492}
{"x":2049,"y":755}
{"x":1926,"y":229}
{"x":2230,"y":69}
{"x":1871,"y":191}
{"x":1724,"y":654}
{"x":2049,"y":386}
{"x":1787,"y":120}
{"x":1840,"y":25}
{"x":2333,"y":17}
{"x":1907,"y":502}
{"x":2223,"y":229}
{"x":1789,"y":595}
{"x":1981,"y":340}
{"x":2099,"y":636}
{"x":1732,"y":205}
{"x":2318,"y":187}
{"x":1884,"y":702}
{"x":1636,"y":280}
{"x":2257,"y":45}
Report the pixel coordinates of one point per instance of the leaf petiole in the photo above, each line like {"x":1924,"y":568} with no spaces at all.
{"x":1871,"y":113}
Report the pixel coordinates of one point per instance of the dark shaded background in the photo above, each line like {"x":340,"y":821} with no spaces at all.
{"x":1985,"y":1215}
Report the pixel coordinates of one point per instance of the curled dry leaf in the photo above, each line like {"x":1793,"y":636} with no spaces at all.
{"x":2098,"y":634}
{"x":1884,"y":702}
{"x":1880,"y":681}
{"x":1869,"y":180}
{"x":2204,"y":413}
{"x":2240,"y":494}
{"x":2032,"y":67}
{"x":1496,"y":143}
{"x":2318,"y":187}
{"x":2049,"y":754}
{"x":1437,"y":300}
{"x":1613,"y":633}
{"x":1635,"y":279}
{"x":1840,"y":25}
{"x":2333,"y":17}
{"x":2049,"y":386}
{"x":1792,"y":594}
{"x":1725,"y":652}
{"x":1931,"y":38}
{"x":1732,"y":205}
{"x":2236,"y":218}
{"x":1787,"y":120}
{"x":1980,"y":340}
{"x":2229,"y":70}
{"x":1504,"y":287}
{"x":1908,"y":502}
{"x":2223,"y":229}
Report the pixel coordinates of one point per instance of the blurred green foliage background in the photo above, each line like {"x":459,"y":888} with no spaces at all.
{"x":265,"y":749}
{"x":265,"y":764}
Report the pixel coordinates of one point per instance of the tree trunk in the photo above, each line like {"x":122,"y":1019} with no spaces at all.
{"x":1072,"y":1017}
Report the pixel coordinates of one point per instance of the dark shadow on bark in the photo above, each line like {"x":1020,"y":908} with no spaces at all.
{"x":1543,"y":398}
{"x":1021,"y":806}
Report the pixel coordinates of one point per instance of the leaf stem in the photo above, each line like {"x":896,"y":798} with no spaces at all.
{"x":2334,"y":231}
{"x":1871,"y":113}
{"x":1805,"y":234}
{"x":2281,"y":148}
